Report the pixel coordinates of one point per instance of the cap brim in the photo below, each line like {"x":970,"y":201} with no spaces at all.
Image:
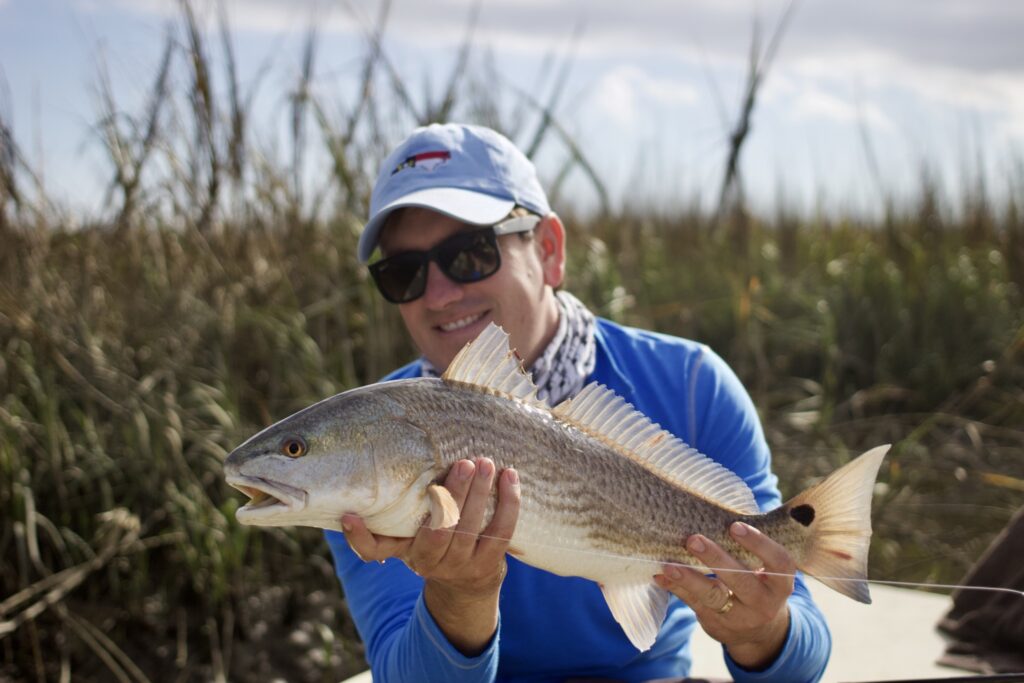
{"x":471,"y":207}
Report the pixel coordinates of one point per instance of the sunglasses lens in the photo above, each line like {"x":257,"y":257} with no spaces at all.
{"x":401,"y":278}
{"x":469,"y":257}
{"x":464,"y":257}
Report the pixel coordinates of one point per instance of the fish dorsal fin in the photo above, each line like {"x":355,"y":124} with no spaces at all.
{"x":490,"y":364}
{"x":639,"y":608}
{"x":605,"y":415}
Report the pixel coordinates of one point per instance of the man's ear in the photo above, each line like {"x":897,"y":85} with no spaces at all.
{"x":550,"y":241}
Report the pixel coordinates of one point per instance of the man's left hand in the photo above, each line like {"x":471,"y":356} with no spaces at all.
{"x":745,"y":611}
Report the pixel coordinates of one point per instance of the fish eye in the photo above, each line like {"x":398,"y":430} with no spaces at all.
{"x":294,"y":447}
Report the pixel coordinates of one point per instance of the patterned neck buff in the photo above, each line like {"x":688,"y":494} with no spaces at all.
{"x":568,"y":360}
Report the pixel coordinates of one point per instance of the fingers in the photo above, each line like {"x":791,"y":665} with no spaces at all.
{"x":470,"y":484}
{"x":469,"y":549}
{"x":479,"y":494}
{"x":430,"y":546}
{"x":701,"y":593}
{"x":778,"y":563}
{"x":757,"y":595}
{"x":775,"y":557}
{"x":506,"y":514}
{"x":736,"y":576}
{"x":459,"y":483}
{"x":464,"y":541}
{"x":744,"y":610}
{"x":369,"y":546}
{"x":459,"y":480}
{"x":749,"y":586}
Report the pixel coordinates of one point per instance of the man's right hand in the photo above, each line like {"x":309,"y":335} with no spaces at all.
{"x":462,"y":571}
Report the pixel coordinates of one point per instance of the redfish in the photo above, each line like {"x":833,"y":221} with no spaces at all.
{"x":606,"y":494}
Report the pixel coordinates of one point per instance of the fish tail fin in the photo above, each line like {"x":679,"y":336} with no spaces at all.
{"x":838,"y":513}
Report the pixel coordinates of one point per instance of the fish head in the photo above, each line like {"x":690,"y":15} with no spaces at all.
{"x":337,"y":456}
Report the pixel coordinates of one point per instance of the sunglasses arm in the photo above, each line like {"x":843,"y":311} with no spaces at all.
{"x":517,"y":224}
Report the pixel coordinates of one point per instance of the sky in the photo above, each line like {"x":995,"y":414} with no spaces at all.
{"x":861,"y":95}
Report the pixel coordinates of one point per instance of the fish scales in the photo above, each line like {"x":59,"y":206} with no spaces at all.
{"x":557,"y":502}
{"x":570,"y":480}
{"x":606,"y":494}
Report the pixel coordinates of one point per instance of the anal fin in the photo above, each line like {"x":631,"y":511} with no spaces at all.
{"x":639,"y":608}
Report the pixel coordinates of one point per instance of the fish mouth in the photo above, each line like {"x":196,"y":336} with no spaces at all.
{"x":266,"y":498}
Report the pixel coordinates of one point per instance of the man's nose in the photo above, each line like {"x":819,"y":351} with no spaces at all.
{"x":440,"y":290}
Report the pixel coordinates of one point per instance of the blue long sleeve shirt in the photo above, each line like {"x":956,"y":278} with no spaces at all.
{"x":552,"y":627}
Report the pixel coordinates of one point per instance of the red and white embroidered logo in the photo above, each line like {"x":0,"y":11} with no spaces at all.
{"x":427,"y":161}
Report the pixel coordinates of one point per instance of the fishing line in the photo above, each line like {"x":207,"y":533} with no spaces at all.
{"x":762,"y":572}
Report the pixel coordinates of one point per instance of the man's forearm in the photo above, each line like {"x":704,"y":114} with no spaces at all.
{"x":468,"y":621}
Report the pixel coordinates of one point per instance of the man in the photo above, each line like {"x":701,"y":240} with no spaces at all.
{"x":467,"y":237}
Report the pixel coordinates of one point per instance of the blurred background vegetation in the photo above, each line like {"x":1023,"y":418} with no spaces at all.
{"x":220,"y":292}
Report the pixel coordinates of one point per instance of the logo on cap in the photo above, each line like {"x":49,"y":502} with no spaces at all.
{"x":428,"y":161}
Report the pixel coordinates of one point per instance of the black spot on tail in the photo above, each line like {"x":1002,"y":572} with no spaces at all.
{"x":803,"y":514}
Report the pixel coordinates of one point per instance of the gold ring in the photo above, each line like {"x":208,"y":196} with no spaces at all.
{"x":718,"y":589}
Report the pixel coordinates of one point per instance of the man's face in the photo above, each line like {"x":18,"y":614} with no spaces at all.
{"x":518,"y":297}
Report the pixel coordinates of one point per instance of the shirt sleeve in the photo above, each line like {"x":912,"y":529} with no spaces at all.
{"x":403,"y":642}
{"x":726,"y":427}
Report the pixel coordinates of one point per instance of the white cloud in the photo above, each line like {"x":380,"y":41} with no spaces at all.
{"x":616,"y":98}
{"x":662,"y":90}
{"x":626,"y":90}
{"x":818,"y":104}
{"x":963,"y":53}
{"x":877,"y":69}
{"x":996,"y":94}
{"x":977,"y":35}
{"x":915,"y":65}
{"x":263,"y":16}
{"x":958,"y":53}
{"x":665,"y":91}
{"x":1011,"y":128}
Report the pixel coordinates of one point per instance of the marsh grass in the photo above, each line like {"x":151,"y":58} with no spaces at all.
{"x":137,"y":351}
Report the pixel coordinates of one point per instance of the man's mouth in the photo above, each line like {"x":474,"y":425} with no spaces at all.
{"x":461,"y":323}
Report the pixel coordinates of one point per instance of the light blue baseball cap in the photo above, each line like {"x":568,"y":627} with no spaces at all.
{"x":470,"y":173}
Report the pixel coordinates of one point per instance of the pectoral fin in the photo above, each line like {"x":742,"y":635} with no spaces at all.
{"x":444,"y":511}
{"x":639,"y":608}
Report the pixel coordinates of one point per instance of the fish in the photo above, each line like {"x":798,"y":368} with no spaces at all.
{"x":607,"y":494}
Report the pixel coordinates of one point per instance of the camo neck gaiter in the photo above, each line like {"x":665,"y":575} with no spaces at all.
{"x":568,"y":360}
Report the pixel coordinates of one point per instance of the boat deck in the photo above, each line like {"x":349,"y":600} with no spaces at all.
{"x":891,"y":639}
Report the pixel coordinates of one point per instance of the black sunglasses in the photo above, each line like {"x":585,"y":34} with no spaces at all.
{"x":465,"y":257}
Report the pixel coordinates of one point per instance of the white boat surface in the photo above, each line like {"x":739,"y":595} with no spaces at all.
{"x":891,"y":639}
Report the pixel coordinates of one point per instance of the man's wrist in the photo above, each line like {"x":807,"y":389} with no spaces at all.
{"x":459,"y":595}
{"x":761,"y":653}
{"x":468,"y":618}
